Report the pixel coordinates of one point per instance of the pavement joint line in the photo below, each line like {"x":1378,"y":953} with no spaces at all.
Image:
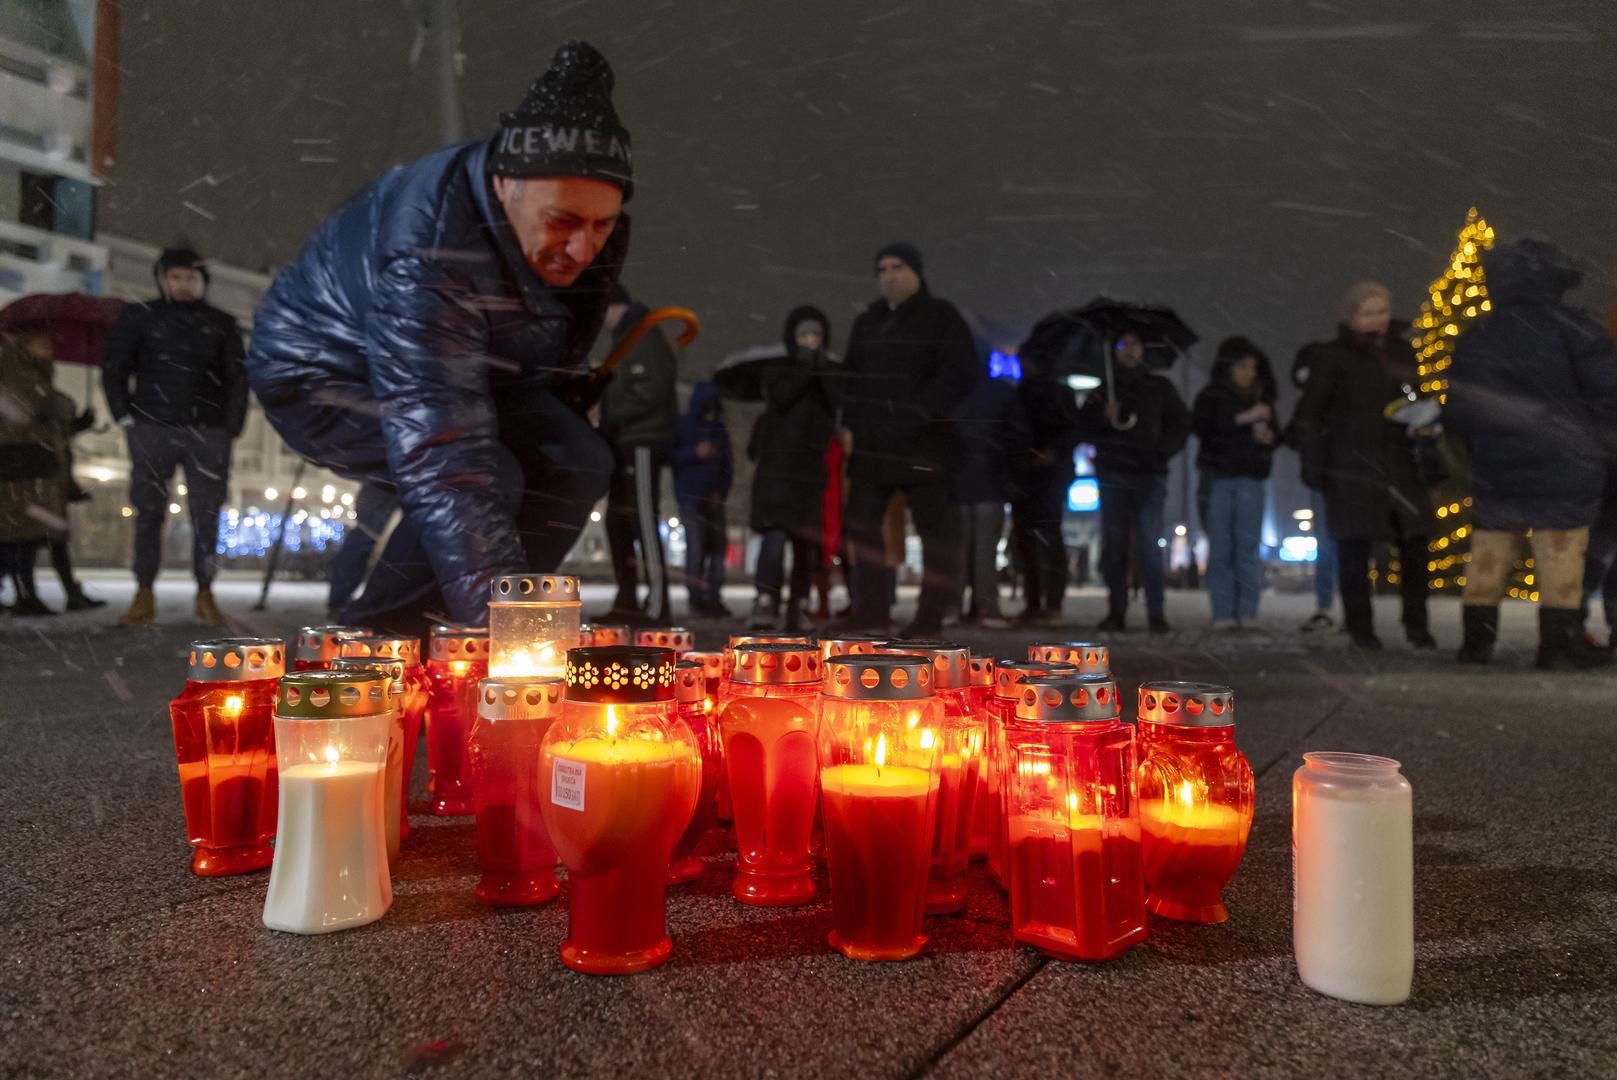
{"x":932,"y":1061}
{"x":1341,"y":703}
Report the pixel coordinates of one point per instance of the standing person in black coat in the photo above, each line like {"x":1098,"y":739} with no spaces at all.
{"x":1234,"y":421}
{"x":1040,"y":500}
{"x":1533,"y":397}
{"x":788,"y":445}
{"x":1363,"y":462}
{"x":1135,"y":436}
{"x":910,"y":360}
{"x":189,"y":400}
{"x":994,"y":444}
{"x":638,"y":411}
{"x":703,"y":471}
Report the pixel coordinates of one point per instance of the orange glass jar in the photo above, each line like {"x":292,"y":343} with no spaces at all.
{"x":696,"y":709}
{"x":457,"y":661}
{"x":1008,"y":677}
{"x":514,"y":852}
{"x":413,"y":706}
{"x":982,"y":692}
{"x":316,"y":646}
{"x":603,"y":634}
{"x":677,"y":639}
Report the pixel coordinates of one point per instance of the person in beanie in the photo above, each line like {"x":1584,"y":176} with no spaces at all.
{"x":910,"y":360}
{"x":432,"y":337}
{"x":638,"y":413}
{"x":1533,"y":398}
{"x":173,"y":376}
{"x":703,"y":472}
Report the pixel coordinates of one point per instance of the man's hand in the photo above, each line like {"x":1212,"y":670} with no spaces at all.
{"x":706,"y":450}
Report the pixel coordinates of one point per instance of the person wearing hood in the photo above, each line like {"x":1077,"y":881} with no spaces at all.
{"x":910,"y":360}
{"x":432,"y":337}
{"x":1234,"y":421}
{"x":173,"y":376}
{"x":1533,"y":397}
{"x":1136,"y":430}
{"x":703,"y":472}
{"x":788,"y":449}
{"x":1363,"y":462}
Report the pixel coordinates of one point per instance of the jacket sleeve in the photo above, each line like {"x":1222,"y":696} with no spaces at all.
{"x":233,"y":374}
{"x":426,"y":343}
{"x":118,"y":359}
{"x":785,"y":382}
{"x":1594,"y":366}
{"x":1175,"y":422}
{"x":958,"y":370}
{"x":687,"y":433}
{"x":1307,"y":431}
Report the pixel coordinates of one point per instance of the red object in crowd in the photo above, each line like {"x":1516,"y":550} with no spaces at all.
{"x":831,"y":502}
{"x":77,"y":323}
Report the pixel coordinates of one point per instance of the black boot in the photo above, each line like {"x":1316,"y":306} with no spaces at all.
{"x":1561,"y":644}
{"x":794,"y":616}
{"x":79,"y":600}
{"x":1481,"y":624}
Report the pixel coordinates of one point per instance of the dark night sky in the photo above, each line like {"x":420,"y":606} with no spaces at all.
{"x":1242,"y":161}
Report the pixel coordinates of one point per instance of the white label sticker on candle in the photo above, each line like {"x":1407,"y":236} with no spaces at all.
{"x":567,"y":784}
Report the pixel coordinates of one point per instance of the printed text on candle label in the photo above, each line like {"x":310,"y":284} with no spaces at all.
{"x":567,"y":783}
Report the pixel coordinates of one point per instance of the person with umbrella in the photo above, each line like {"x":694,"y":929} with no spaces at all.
{"x":1137,"y":423}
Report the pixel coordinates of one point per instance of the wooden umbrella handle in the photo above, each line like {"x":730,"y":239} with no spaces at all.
{"x":651,"y":318}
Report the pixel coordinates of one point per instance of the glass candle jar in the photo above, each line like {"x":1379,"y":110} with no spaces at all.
{"x":330,"y":869}
{"x":1073,"y":854}
{"x":676,"y":638}
{"x":406,"y":650}
{"x":1088,"y":657}
{"x":850,"y":645}
{"x":224,"y":743}
{"x":1008,"y":676}
{"x":457,"y":660}
{"x":622,"y":773}
{"x":533,"y":619}
{"x":767,"y":717}
{"x":1353,"y":915}
{"x":880,"y":753}
{"x":961,"y":734}
{"x":395,"y":814}
{"x":695,"y":708}
{"x":316,"y":646}
{"x":1196,"y":798}
{"x":713,"y":674}
{"x":982,"y":692}
{"x":514,"y":851}
{"x":603,"y":634}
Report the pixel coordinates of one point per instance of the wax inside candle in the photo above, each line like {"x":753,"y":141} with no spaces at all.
{"x":878,"y":837}
{"x":1075,"y":882}
{"x":770,"y":756}
{"x":330,"y":868}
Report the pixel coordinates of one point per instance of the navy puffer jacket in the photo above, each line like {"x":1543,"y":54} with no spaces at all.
{"x":406,"y":330}
{"x":1533,"y":396}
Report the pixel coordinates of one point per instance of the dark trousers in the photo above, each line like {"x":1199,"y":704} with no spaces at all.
{"x":770,"y":574}
{"x":1599,"y":568}
{"x":155,"y":451}
{"x":1036,"y":528}
{"x":372,"y":509}
{"x":938,"y":524}
{"x":705,"y":545}
{"x":1353,"y":566}
{"x":1131,"y":521}
{"x":982,"y":524}
{"x":631,"y":529}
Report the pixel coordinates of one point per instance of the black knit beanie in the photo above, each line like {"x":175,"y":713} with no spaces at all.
{"x":566,"y":125}
{"x":906,"y":253}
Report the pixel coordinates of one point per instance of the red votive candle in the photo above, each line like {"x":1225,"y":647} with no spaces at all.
{"x":1196,"y":798}
{"x":413,"y":706}
{"x":1008,"y":676}
{"x":767,"y":717}
{"x":713,"y":672}
{"x":603,"y":634}
{"x":457,"y":660}
{"x":677,"y":639}
{"x":981,"y":693}
{"x":880,"y":754}
{"x":315,"y":647}
{"x":696,"y":709}
{"x":1073,"y":858}
{"x":514,"y":851}
{"x":224,"y":743}
{"x":621,"y":774}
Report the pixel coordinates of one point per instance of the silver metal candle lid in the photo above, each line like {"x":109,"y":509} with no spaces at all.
{"x":1187,"y":704}
{"x":690,"y":682}
{"x":850,"y":645}
{"x":888,"y":677}
{"x":450,"y":643}
{"x":383,"y":646}
{"x":1088,"y":657}
{"x":237,"y":659}
{"x":760,"y":663}
{"x":1067,"y":699}
{"x":1008,"y":674}
{"x":330,"y":695}
{"x":392,"y":670}
{"x":712,"y":663}
{"x":951,"y":662}
{"x":520,"y":698}
{"x":677,"y":638}
{"x":603,"y":634}
{"x":535,"y":589}
{"x":982,"y":671}
{"x":320,"y":642}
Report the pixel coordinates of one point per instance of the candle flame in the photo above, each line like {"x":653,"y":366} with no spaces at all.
{"x":611,"y":722}
{"x":881,"y":751}
{"x":1072,"y":801}
{"x":233,"y":705}
{"x":1187,"y":793}
{"x":913,"y":719}
{"x":927,"y":739}
{"x":707,"y":705}
{"x":332,"y":754}
{"x":458,"y":667}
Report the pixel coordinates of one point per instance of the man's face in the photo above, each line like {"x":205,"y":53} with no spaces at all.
{"x":1130,"y":350}
{"x":1373,"y":316}
{"x":896,"y":280}
{"x":561,"y":223}
{"x":182,"y":283}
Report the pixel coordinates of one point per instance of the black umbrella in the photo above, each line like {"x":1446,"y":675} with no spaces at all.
{"x":1077,"y":343}
{"x":740,"y":375}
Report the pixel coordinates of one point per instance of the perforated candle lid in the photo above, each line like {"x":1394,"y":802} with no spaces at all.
{"x":330,"y":695}
{"x":620,"y":674}
{"x":850,"y":645}
{"x":1067,"y":698}
{"x":392,"y":670}
{"x":320,"y":642}
{"x":712,"y":662}
{"x":690,"y":682}
{"x":1089,"y":657}
{"x":535,"y":589}
{"x":520,"y":698}
{"x":982,"y":671}
{"x":738,"y":640}
{"x":774,"y":663}
{"x":951,"y":661}
{"x":677,"y":638}
{"x":237,"y":659}
{"x":603,"y":634}
{"x":384,"y":646}
{"x":888,"y":677}
{"x":1187,"y":704}
{"x":1008,"y":674}
{"x":458,"y":643}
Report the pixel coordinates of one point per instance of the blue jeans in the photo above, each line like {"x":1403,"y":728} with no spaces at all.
{"x":1324,"y":560}
{"x":1131,"y":520}
{"x":705,"y":544}
{"x":1234,"y":536}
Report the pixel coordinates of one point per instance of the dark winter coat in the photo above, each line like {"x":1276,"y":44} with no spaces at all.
{"x":699,"y":479}
{"x":1228,"y":448}
{"x":1533,"y":396}
{"x":1146,"y":448}
{"x":994,"y":444}
{"x":790,"y":439}
{"x":185,"y":359}
{"x":641,"y":401}
{"x":35,"y":421}
{"x":412,"y":322}
{"x":905,"y":371}
{"x":1362,"y":462}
